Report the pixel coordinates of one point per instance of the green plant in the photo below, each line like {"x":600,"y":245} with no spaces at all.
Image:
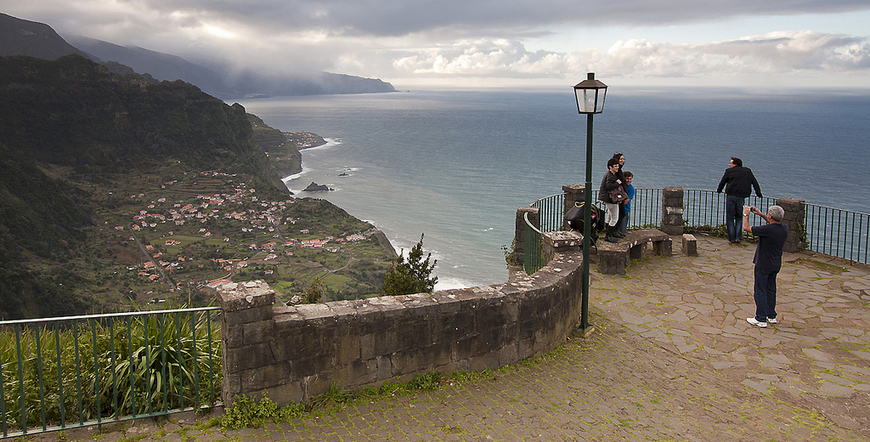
{"x":110,"y":367}
{"x":314,"y":293}
{"x":413,"y":276}
{"x":802,"y":235}
{"x":247,"y":412}
{"x":509,"y":252}
{"x":426,"y":382}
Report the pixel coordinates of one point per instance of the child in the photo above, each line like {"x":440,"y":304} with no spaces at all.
{"x":629,"y":189}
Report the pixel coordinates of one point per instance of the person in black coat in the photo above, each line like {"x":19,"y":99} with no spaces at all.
{"x":608,"y":183}
{"x":738,"y":182}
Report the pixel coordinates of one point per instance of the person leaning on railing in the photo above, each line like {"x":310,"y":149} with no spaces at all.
{"x":739,"y":181}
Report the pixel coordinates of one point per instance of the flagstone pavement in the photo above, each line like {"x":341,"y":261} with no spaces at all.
{"x":671,"y":357}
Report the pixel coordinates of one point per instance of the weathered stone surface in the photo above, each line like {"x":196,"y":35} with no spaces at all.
{"x":613,"y":258}
{"x":245,"y":295}
{"x":690,"y":245}
{"x":296,"y":352}
{"x":795,"y":213}
{"x":672,"y":211}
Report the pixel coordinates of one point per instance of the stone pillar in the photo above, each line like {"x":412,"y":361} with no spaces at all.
{"x":795,"y":213}
{"x":672,"y":210}
{"x":247,"y":326}
{"x":560,"y":242}
{"x":520,"y":233}
{"x":574,"y":194}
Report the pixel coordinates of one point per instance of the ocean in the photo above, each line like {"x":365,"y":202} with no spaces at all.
{"x":454,"y":165}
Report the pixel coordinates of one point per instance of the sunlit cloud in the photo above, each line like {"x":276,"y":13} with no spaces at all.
{"x":540,"y":41}
{"x":776,"y":52}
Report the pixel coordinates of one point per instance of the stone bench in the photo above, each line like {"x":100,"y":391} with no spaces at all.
{"x":690,"y":245}
{"x":614,"y":257}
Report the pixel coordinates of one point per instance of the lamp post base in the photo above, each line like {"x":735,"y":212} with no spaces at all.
{"x":584,"y":332}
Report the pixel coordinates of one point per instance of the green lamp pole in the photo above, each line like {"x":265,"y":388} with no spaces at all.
{"x":590,"y":94}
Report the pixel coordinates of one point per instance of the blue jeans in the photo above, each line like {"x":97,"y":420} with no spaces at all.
{"x":734,"y":217}
{"x":623,"y":223}
{"x":765,"y":295}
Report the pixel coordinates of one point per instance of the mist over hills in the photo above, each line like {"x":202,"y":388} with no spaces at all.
{"x":23,"y":37}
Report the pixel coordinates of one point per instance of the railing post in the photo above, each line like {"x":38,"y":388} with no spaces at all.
{"x":520,"y":233}
{"x":672,"y":210}
{"x":794,"y":218}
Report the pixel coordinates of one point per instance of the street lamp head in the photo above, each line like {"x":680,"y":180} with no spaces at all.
{"x":590,"y":94}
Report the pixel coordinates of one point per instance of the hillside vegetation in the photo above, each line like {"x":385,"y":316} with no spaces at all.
{"x":116,"y":191}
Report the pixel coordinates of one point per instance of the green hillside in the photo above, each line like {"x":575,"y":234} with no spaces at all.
{"x":117,"y":191}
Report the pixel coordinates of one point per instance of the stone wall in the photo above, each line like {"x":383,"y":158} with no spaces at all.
{"x":294,"y":353}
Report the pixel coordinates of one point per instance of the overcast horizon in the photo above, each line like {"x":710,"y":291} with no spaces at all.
{"x":476,"y":43}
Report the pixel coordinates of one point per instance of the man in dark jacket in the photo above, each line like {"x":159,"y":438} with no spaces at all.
{"x":738,"y":182}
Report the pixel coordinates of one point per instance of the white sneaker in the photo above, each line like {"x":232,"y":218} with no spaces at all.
{"x":754,"y":322}
{"x":771,"y":320}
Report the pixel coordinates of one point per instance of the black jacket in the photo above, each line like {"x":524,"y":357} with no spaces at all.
{"x":738,"y":181}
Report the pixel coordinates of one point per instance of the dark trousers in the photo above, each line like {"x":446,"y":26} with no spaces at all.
{"x":765,"y":295}
{"x":734,"y":217}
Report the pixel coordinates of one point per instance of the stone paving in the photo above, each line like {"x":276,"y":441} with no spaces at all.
{"x":671,"y":357}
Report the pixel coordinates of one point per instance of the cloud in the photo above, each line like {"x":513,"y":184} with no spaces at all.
{"x":772,"y":53}
{"x":484,"y":57}
{"x":403,"y":39}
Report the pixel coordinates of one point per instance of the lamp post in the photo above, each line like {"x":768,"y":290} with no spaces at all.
{"x":590,"y":94}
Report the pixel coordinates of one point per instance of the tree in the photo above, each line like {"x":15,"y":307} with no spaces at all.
{"x":413,"y":276}
{"x":314,"y":293}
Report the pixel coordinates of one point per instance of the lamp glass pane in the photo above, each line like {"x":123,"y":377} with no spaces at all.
{"x":587,"y":101}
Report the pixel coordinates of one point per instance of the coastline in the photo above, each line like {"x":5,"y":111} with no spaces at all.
{"x":311,"y":141}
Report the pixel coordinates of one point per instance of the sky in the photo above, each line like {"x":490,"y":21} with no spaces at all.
{"x":495,"y":43}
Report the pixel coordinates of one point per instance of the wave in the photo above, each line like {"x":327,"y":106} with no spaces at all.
{"x":330,"y":142}
{"x":451,"y":282}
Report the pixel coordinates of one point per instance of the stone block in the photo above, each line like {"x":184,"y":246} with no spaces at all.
{"x":286,"y":393}
{"x":303,"y":367}
{"x":487,"y":341}
{"x":244,"y":316}
{"x":385,"y":367}
{"x":387,"y":342}
{"x":367,"y":347}
{"x":264,"y":377}
{"x":240,"y":296}
{"x":255,"y":332}
{"x":508,"y":354}
{"x":347,"y":349}
{"x":664,"y":247}
{"x":637,"y":251}
{"x":252,"y":356}
{"x":416,"y":333}
{"x":232,"y":337}
{"x":612,"y":264}
{"x":690,"y":245}
{"x":488,"y":361}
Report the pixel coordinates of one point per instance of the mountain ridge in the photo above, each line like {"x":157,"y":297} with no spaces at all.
{"x":39,"y":40}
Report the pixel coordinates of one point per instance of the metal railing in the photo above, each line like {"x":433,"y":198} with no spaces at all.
{"x":58,"y":373}
{"x":835,"y":232}
{"x":533,"y":256}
